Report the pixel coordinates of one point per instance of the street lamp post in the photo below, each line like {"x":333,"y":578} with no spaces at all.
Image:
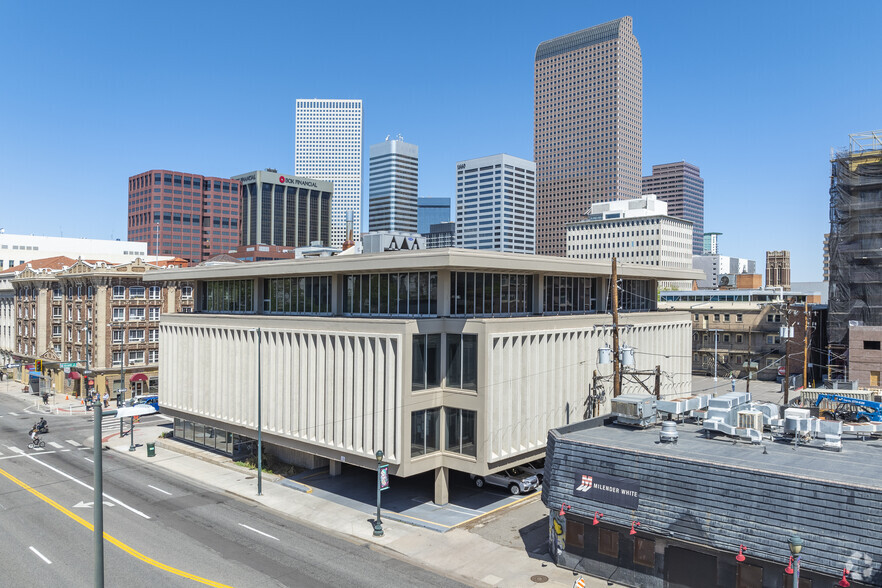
{"x":378,"y":523}
{"x":795,"y":544}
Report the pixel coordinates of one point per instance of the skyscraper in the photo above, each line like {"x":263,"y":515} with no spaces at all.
{"x":327,"y":146}
{"x":680,"y":185}
{"x":588,"y":125}
{"x":496,"y":204}
{"x":394,"y":175}
{"x":183,"y":214}
{"x":432,"y":211}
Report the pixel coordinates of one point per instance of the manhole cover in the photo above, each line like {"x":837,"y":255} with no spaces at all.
{"x":539,"y":579}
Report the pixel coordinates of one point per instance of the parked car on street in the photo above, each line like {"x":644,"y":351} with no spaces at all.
{"x":515,"y":479}
{"x":536,"y":467}
{"x":152,"y":400}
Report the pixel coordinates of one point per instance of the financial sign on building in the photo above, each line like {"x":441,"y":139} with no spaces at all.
{"x":608,"y":489}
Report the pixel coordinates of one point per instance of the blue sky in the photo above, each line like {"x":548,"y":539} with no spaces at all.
{"x":754,"y":93}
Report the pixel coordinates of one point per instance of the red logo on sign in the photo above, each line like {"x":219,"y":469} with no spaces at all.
{"x":281,"y":179}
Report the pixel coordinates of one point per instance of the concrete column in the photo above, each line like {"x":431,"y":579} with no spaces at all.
{"x":442,"y":486}
{"x":335,"y":468}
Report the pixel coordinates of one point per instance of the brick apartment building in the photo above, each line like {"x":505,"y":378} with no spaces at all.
{"x":96,"y":320}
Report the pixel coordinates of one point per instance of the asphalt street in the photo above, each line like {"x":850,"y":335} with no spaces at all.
{"x":160,"y":529}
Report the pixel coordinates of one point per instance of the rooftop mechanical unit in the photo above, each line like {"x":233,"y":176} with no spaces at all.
{"x":636,"y":410}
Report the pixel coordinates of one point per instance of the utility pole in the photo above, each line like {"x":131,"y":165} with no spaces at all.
{"x":786,"y":354}
{"x":658,"y":382}
{"x":749,"y":366}
{"x":805,"y":348}
{"x":617,"y":375}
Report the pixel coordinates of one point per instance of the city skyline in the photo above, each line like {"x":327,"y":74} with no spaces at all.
{"x":723,"y":89}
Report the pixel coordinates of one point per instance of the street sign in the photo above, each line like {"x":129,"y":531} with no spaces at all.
{"x":72,"y":364}
{"x":13,"y":365}
{"x":384,"y":476}
{"x":781,"y":371}
{"x":66,"y":370}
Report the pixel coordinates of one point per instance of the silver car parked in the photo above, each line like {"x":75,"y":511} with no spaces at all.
{"x":515,"y":479}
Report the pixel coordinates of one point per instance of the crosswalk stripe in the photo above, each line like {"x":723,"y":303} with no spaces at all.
{"x":72,"y":442}
{"x":13,"y":414}
{"x":56,"y":445}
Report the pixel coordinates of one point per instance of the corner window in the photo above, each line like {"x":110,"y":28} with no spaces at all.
{"x":426,"y":363}
{"x":461,"y":431}
{"x":424,"y":432}
{"x":462,"y":361}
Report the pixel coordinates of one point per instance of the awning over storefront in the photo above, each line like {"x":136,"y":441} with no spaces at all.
{"x":139,"y":378}
{"x":74,"y":375}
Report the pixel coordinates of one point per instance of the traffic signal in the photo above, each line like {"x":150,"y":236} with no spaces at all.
{"x":39,"y":365}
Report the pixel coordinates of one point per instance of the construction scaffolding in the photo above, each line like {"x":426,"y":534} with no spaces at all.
{"x":855,"y":237}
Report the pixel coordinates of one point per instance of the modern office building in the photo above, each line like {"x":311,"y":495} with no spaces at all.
{"x":588,"y":126}
{"x":711,"y":244}
{"x":680,"y":185}
{"x":444,"y":359}
{"x":182,"y":214}
{"x":20,"y":249}
{"x":432,"y":211}
{"x":100,"y":320}
{"x":392,"y":185}
{"x":285,"y":210}
{"x":441,"y":235}
{"x":635,"y":231}
{"x":778,"y":269}
{"x":327,"y":146}
{"x":496,"y":204}
{"x":721,"y":270}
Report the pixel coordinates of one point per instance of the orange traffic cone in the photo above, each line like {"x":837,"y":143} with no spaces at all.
{"x":66,"y":397}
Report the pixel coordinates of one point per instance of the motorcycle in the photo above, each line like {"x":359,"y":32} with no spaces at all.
{"x":41,"y":427}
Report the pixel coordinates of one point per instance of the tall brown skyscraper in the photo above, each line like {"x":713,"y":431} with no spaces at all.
{"x":588,"y":126}
{"x":682,"y":187}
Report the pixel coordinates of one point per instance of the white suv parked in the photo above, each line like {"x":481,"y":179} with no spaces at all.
{"x":515,"y":479}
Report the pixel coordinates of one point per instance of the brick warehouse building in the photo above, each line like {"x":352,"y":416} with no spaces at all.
{"x":94,"y":317}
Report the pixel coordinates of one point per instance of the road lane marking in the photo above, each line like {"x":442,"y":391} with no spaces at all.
{"x":81,"y":483}
{"x":88,"y":459}
{"x":40,"y":555}
{"x":72,"y":442}
{"x":110,"y":538}
{"x":13,"y":414}
{"x":56,"y":445}
{"x":159,"y":489}
{"x":258,"y":532}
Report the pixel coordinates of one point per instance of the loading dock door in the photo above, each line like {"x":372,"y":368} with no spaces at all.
{"x":685,"y":568}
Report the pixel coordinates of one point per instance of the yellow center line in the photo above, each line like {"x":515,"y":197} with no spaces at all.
{"x":111,"y":539}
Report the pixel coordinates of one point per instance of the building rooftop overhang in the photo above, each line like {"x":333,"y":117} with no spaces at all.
{"x":451,"y":259}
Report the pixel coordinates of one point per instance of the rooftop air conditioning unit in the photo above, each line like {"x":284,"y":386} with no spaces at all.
{"x":727,"y":279}
{"x":750,"y":419}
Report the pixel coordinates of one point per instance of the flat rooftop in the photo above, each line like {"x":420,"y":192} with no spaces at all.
{"x":859,"y":463}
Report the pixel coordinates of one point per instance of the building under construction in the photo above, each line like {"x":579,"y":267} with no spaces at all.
{"x":855,"y":237}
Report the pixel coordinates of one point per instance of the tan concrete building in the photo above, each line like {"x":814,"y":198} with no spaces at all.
{"x":90,"y":321}
{"x":730,"y":326}
{"x":588,"y":126}
{"x":443,"y":359}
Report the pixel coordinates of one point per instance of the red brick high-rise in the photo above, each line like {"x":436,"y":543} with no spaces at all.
{"x":186,"y":215}
{"x":588,"y":126}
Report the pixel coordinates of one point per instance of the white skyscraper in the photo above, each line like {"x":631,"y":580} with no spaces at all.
{"x":496,"y":204}
{"x":327,"y":146}
{"x":394,"y":175}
